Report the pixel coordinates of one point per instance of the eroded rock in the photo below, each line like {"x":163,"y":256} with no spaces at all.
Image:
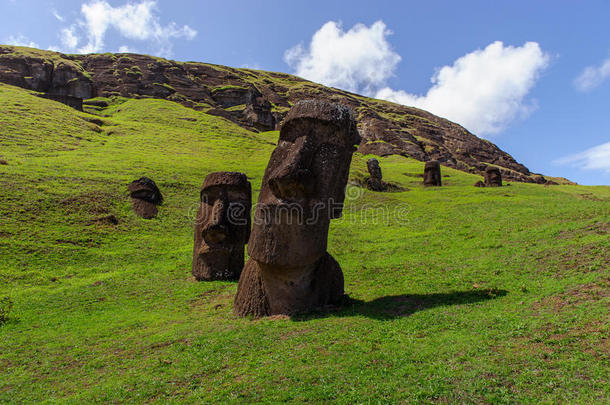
{"x":222,"y":227}
{"x":289,"y":270}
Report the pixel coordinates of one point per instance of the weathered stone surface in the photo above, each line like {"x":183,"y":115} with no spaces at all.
{"x":145,"y":197}
{"x":432,"y":173}
{"x":289,"y":270}
{"x":493,"y":177}
{"x":222,"y":226}
{"x":264,"y":98}
{"x":374,"y":182}
{"x":479,"y":184}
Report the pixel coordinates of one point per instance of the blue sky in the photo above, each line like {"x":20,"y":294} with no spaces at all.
{"x":532,"y":77}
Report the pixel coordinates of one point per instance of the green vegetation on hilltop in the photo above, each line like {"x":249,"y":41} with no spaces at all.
{"x":457,"y":294}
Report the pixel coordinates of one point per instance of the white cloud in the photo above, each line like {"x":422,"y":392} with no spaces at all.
{"x":68,"y":38}
{"x":126,"y":49}
{"x":596,"y":158}
{"x":592,"y":76}
{"x":484,"y":90}
{"x":20,"y":40}
{"x":132,"y":20}
{"x":57,"y":15}
{"x":360,"y":59}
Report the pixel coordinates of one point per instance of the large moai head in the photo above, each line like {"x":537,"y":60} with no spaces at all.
{"x":304,"y":184}
{"x":493,"y":177}
{"x":303,"y":188}
{"x":145,"y":197}
{"x":222,"y":227}
{"x":432,"y":173}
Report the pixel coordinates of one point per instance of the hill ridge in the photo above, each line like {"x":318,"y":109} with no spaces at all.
{"x":254,"y":99}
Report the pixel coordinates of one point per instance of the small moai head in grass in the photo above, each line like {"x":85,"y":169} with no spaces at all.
{"x":374,"y":182}
{"x":493,"y":177}
{"x":145,"y":197}
{"x":374,"y":168}
{"x":222,"y":227}
{"x":432,"y":173}
{"x":303,"y":188}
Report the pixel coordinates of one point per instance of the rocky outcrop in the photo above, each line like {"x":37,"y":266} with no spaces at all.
{"x":256,"y":100}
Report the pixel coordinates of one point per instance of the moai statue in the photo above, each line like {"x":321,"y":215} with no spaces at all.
{"x":289,"y":270}
{"x":493,"y":177}
{"x":432,"y":173}
{"x":145,"y":197}
{"x":374,"y":182}
{"x":222,"y":227}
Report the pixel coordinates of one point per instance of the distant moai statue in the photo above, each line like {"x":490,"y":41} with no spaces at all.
{"x":493,"y":177}
{"x":145,"y":197}
{"x":222,"y":227}
{"x":289,"y":270}
{"x":432,"y":173}
{"x":374,"y":182}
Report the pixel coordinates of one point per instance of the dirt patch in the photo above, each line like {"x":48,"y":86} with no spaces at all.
{"x":95,"y":203}
{"x":105,"y":220}
{"x":591,"y":197}
{"x":580,"y":258}
{"x":599,"y":228}
{"x":575,"y":296}
{"x":207,"y":296}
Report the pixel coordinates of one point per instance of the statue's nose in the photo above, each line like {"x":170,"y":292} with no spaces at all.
{"x":292,"y":184}
{"x":216,"y":230}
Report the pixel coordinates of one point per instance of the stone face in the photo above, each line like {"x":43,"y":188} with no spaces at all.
{"x":145,"y":197}
{"x":222,"y":227}
{"x":374,"y":168}
{"x":432,"y":173}
{"x":374,"y":182}
{"x":493,"y":177}
{"x":289,"y":270}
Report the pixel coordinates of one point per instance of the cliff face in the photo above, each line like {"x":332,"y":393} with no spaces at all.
{"x":254,"y":99}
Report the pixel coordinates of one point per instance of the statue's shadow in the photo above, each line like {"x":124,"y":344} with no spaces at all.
{"x":397,"y":306}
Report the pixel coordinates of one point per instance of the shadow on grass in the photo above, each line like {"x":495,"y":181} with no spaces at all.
{"x":397,"y":306}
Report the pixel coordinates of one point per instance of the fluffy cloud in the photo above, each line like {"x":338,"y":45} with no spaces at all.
{"x":20,"y":40}
{"x":484,"y":90}
{"x":68,"y":38}
{"x":592,"y":76}
{"x":596,"y":158}
{"x":360,"y":59}
{"x":136,"y":21}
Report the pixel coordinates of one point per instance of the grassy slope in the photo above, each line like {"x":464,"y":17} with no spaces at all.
{"x":458,"y":294}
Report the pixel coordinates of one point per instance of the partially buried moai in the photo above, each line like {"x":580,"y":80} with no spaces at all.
{"x":145,"y":197}
{"x":289,"y":270}
{"x":374,"y":182}
{"x":432,"y":173}
{"x":493,"y":177}
{"x":222,"y":227}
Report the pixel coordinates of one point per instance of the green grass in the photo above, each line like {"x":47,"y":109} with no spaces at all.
{"x":457,"y":294}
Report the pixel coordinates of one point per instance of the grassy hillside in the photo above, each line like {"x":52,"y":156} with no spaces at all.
{"x":457,"y":294}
